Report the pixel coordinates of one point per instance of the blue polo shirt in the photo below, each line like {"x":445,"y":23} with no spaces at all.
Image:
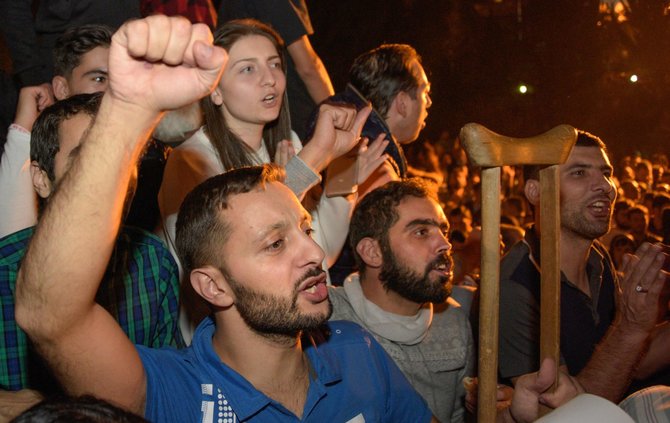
{"x":355,"y":381}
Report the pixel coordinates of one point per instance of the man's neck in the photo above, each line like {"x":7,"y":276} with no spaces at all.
{"x":387,"y":300}
{"x":574,"y":258}
{"x":274,"y":365}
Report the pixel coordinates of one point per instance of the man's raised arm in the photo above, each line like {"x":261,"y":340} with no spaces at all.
{"x":155,"y":64}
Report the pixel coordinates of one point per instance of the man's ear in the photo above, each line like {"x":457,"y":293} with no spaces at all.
{"x":370,"y":252}
{"x":216,"y":96}
{"x":41,"y":182}
{"x":532,"y":191}
{"x":61,"y":87}
{"x":211,"y":285}
{"x":399,"y":103}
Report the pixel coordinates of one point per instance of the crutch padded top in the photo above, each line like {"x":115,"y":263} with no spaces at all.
{"x":488,"y":149}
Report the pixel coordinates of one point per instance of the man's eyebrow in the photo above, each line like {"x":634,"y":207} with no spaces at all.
{"x":279,"y":226}
{"x":589,"y":166}
{"x":427,"y":222}
{"x":270,"y":229}
{"x":96,"y":72}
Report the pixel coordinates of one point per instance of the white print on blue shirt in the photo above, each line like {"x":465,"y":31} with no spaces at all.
{"x":220,"y":407}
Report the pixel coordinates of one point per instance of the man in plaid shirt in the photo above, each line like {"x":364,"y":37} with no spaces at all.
{"x":140,"y":286}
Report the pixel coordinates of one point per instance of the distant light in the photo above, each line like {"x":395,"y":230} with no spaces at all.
{"x":633,"y":78}
{"x":523,"y":89}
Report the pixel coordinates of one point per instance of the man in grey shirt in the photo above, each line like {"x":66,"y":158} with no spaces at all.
{"x":401,"y":295}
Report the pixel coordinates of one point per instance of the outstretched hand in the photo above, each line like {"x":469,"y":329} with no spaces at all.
{"x":162,"y":63}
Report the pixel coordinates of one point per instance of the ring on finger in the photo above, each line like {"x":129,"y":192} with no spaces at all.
{"x":640,"y":289}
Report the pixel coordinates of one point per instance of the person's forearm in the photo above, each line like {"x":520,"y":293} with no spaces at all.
{"x":611,"y":367}
{"x":55,"y":290}
{"x":316,"y":80}
{"x":311,"y":70}
{"x":315,"y":158}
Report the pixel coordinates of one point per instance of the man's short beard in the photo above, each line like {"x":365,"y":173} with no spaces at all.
{"x":574,"y":221}
{"x":408,"y":284}
{"x":270,"y":315}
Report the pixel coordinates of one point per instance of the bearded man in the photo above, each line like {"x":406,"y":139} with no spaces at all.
{"x":401,"y":293}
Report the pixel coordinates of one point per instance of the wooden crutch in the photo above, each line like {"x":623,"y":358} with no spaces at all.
{"x":490,"y":151}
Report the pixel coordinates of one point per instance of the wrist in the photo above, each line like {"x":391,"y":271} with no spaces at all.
{"x":315,"y":157}
{"x":632,"y":330}
{"x":131,"y":122}
{"x":19,"y":127}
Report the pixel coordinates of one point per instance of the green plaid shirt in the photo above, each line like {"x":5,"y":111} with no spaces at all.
{"x":140,"y":289}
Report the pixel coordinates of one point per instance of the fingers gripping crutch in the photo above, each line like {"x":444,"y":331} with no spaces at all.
{"x":491,"y":151}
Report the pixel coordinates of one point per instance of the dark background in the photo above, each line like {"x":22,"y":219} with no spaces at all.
{"x":576,"y":62}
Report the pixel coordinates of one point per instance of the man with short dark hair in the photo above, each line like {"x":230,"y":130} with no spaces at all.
{"x":140,"y":286}
{"x":80,"y":61}
{"x":399,"y":235}
{"x":606,"y":320}
{"x":392,"y":80}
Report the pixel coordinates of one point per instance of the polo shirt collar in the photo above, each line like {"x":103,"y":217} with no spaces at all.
{"x":594,"y":267}
{"x":243,"y":397}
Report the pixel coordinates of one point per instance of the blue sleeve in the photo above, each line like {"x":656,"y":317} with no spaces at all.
{"x":167,"y":379}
